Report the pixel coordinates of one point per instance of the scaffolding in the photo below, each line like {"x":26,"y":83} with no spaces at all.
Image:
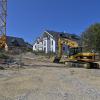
{"x":3,"y":16}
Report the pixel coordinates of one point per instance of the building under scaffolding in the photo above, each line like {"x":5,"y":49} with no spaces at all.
{"x":3,"y":15}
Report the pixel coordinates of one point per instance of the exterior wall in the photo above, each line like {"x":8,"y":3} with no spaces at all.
{"x":52,"y":45}
{"x":35,"y":47}
{"x":38,"y":46}
{"x":45,"y":45}
{"x":49,"y":45}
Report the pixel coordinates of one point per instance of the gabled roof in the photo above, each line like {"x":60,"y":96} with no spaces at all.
{"x":55,"y":34}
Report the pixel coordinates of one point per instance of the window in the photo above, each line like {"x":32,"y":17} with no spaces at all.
{"x":44,"y":43}
{"x":63,"y":48}
{"x":52,"y":42}
{"x":44,"y":49}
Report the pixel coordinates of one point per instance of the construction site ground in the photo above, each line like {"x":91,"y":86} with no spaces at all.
{"x":39,"y":79}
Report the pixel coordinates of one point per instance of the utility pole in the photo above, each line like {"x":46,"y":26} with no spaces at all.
{"x":3,"y":16}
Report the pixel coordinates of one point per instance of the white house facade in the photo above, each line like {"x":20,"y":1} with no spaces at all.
{"x":38,"y":45}
{"x":48,"y":42}
{"x":49,"y":45}
{"x":35,"y":47}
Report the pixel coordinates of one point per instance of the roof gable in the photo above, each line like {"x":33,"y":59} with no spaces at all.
{"x":55,"y":34}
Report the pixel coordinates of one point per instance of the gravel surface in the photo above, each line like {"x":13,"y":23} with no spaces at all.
{"x":40,"y":79}
{"x":50,"y":83}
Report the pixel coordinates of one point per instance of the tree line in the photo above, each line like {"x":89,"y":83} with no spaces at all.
{"x":91,"y":38}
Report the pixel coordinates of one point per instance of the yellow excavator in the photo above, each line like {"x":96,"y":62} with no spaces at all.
{"x":75,"y":57}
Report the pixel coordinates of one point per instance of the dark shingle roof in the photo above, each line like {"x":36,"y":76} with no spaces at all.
{"x":53,"y":33}
{"x":63,"y":34}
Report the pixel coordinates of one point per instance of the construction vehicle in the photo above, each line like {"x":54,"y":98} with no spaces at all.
{"x":75,"y":58}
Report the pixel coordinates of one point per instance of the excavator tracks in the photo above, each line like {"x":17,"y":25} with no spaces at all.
{"x":79,"y":64}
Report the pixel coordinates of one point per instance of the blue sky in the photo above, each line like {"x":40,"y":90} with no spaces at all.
{"x":29,"y":18}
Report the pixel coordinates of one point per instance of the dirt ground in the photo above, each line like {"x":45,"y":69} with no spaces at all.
{"x":48,"y":81}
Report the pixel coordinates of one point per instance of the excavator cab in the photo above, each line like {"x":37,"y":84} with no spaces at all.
{"x":74,"y":51}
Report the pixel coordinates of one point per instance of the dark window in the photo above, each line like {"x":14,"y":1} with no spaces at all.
{"x":44,"y":43}
{"x":52,"y":42}
{"x":44,"y":49}
{"x":64,"y":48}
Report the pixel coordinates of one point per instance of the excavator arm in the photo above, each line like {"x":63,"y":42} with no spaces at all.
{"x":69,"y":43}
{"x":61,"y":42}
